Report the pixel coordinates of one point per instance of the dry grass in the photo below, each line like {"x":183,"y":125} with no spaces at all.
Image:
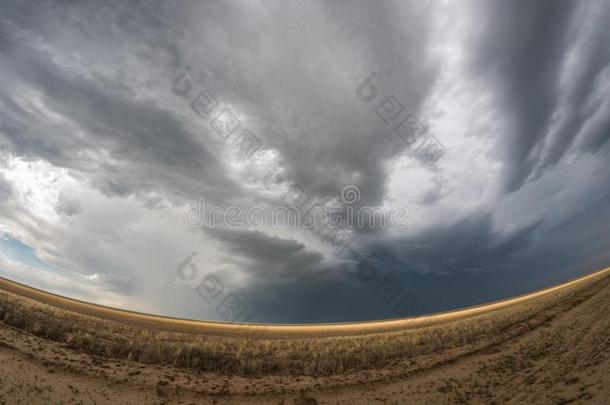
{"x":268,"y":353}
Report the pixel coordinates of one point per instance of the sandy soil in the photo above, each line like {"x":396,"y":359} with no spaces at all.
{"x":562,"y":355}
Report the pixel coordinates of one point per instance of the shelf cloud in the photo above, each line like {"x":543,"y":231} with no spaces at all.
{"x":485,"y":125}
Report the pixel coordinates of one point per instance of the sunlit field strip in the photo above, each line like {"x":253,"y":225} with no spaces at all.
{"x":323,"y":329}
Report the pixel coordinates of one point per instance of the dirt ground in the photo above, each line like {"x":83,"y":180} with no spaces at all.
{"x":560,"y":356}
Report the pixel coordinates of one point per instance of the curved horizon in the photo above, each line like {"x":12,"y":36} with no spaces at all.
{"x":287,"y":162}
{"x":204,"y":326}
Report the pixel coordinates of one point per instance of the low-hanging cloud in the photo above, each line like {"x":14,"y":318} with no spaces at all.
{"x":100,"y":159}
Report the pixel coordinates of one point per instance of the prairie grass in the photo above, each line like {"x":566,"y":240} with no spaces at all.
{"x":265,"y":353}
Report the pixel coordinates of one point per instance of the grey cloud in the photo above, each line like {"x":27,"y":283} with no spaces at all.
{"x":6,"y":189}
{"x":520,"y":50}
{"x":333,"y":133}
{"x":283,"y":93}
{"x":465,"y":264}
{"x":594,"y":57}
{"x":289,"y":70}
{"x":68,"y":206}
{"x":434,"y":193}
{"x":151,"y":145}
{"x":468,"y":246}
{"x":6,"y":193}
{"x":87,"y":87}
{"x":268,"y":258}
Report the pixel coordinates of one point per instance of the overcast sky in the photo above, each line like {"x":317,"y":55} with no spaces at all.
{"x":112,"y":128}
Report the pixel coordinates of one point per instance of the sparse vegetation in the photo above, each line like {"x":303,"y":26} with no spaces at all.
{"x":270,"y":354}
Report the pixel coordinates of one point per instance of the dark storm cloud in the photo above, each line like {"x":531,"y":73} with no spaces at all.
{"x":426,"y":265}
{"x":521,"y":49}
{"x":345,"y":144}
{"x":296,"y":69}
{"x":282,"y":86}
{"x":469,"y":246}
{"x":153,"y":148}
{"x":86,"y":86}
{"x":267,"y":258}
{"x":466,"y":264}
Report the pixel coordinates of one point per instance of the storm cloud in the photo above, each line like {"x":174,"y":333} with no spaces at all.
{"x":104,"y":157}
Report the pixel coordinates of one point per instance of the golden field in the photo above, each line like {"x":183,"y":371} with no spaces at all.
{"x":296,"y":355}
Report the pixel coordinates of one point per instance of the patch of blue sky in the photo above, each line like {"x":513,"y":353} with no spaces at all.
{"x":18,"y":251}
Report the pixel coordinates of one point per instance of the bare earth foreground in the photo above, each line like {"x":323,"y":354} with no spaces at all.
{"x":550,"y":347}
